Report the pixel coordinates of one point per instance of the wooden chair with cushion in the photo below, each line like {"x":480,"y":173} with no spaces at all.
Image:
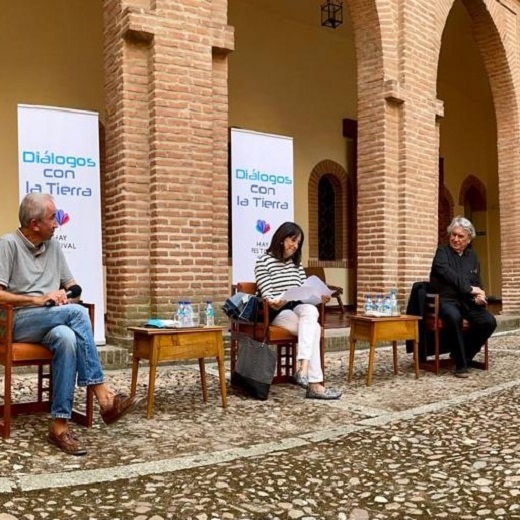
{"x":337,"y":291}
{"x":434,"y":327}
{"x":31,"y":354}
{"x":262,"y":331}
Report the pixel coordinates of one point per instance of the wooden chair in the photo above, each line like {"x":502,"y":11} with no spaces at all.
{"x":320,"y":273}
{"x":262,"y":331}
{"x":31,"y":354}
{"x":434,"y":327}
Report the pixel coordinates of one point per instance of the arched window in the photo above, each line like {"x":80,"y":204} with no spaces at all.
{"x":473,"y":198}
{"x":326,"y":219}
{"x":331,"y":221}
{"x":472,"y":195}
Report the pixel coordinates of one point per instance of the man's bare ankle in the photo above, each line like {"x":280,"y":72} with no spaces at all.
{"x":58,"y":426}
{"x":104,"y":395}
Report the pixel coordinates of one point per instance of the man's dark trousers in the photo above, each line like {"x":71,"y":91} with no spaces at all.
{"x":465,"y":346}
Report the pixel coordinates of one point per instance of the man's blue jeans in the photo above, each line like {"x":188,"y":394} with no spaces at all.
{"x":66,"y":331}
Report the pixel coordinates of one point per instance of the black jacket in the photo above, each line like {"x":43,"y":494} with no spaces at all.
{"x":452,"y":275}
{"x":416,"y":307}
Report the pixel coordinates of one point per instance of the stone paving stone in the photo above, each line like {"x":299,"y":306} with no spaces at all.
{"x":437,"y":447}
{"x":461,"y":463}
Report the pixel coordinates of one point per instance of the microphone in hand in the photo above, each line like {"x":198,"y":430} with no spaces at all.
{"x":74,"y":291}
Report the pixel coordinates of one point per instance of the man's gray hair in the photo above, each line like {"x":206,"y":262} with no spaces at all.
{"x":465,"y":224}
{"x":33,"y":207}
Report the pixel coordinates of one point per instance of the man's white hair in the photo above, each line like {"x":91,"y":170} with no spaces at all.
{"x":465,"y":224}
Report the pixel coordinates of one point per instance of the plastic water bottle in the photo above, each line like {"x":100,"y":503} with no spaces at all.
{"x":387,"y":305}
{"x":393,"y":303}
{"x":369,"y":306}
{"x":379,"y":303}
{"x":189,"y":314}
{"x":183,"y":312}
{"x":179,"y":315}
{"x":210,"y":314}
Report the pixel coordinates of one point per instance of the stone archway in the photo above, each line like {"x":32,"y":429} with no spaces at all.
{"x":493,"y":30}
{"x":345,"y":218}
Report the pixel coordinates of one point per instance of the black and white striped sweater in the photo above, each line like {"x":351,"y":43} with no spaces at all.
{"x":274,"y":277}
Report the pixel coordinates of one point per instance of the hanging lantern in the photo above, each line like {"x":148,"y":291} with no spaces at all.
{"x":332,"y":13}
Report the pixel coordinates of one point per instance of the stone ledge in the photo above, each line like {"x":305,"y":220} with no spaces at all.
{"x":113,"y":357}
{"x":336,"y":340}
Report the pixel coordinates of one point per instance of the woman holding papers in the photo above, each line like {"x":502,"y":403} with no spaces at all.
{"x":276,"y":271}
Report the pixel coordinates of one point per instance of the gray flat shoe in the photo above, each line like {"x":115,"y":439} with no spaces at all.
{"x":328,"y":394}
{"x":300,"y":380}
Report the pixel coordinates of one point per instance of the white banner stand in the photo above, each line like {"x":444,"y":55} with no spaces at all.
{"x":59,"y":154}
{"x":262,"y":195}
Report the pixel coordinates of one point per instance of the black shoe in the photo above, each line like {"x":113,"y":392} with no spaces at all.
{"x":461,"y":372}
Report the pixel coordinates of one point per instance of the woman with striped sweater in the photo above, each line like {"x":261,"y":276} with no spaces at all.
{"x":276,"y":271}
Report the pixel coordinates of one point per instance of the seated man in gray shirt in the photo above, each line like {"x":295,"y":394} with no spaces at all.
{"x":34,"y":277}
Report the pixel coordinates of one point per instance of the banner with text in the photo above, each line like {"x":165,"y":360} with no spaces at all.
{"x":59,"y":154}
{"x":262,"y":195}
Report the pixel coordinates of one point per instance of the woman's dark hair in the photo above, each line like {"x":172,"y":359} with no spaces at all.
{"x":276,"y":249}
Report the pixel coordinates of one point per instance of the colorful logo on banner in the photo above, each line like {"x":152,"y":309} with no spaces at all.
{"x":64,"y":240}
{"x":262,"y":227}
{"x":62,"y":218}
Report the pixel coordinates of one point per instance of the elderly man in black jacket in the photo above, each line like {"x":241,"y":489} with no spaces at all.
{"x":455,"y":275}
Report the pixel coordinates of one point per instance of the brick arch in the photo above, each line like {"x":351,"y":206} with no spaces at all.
{"x":495,"y":39}
{"x":345,"y":238}
{"x":473,"y":188}
{"x":374,"y":39}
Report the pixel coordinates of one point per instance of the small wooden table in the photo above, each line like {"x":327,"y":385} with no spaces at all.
{"x":158,"y":345}
{"x":385,"y":328}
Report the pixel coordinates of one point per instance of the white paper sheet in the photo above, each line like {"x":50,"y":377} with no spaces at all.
{"x":310,"y":292}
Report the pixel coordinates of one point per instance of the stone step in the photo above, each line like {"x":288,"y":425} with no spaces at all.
{"x":507,"y":322}
{"x":113,"y":357}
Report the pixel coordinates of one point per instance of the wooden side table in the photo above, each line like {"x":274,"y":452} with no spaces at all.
{"x":386,"y":328}
{"x":158,"y":345}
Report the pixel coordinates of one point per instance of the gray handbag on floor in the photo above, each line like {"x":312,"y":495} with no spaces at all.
{"x":255,"y":368}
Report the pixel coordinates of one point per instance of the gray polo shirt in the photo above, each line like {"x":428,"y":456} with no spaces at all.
{"x":29,"y":270}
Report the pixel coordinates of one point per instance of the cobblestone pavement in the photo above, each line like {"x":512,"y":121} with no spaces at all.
{"x":437,"y":447}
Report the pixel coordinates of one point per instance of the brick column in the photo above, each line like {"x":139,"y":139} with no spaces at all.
{"x":166,"y":199}
{"x":397,"y":146}
{"x":418,"y":144}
